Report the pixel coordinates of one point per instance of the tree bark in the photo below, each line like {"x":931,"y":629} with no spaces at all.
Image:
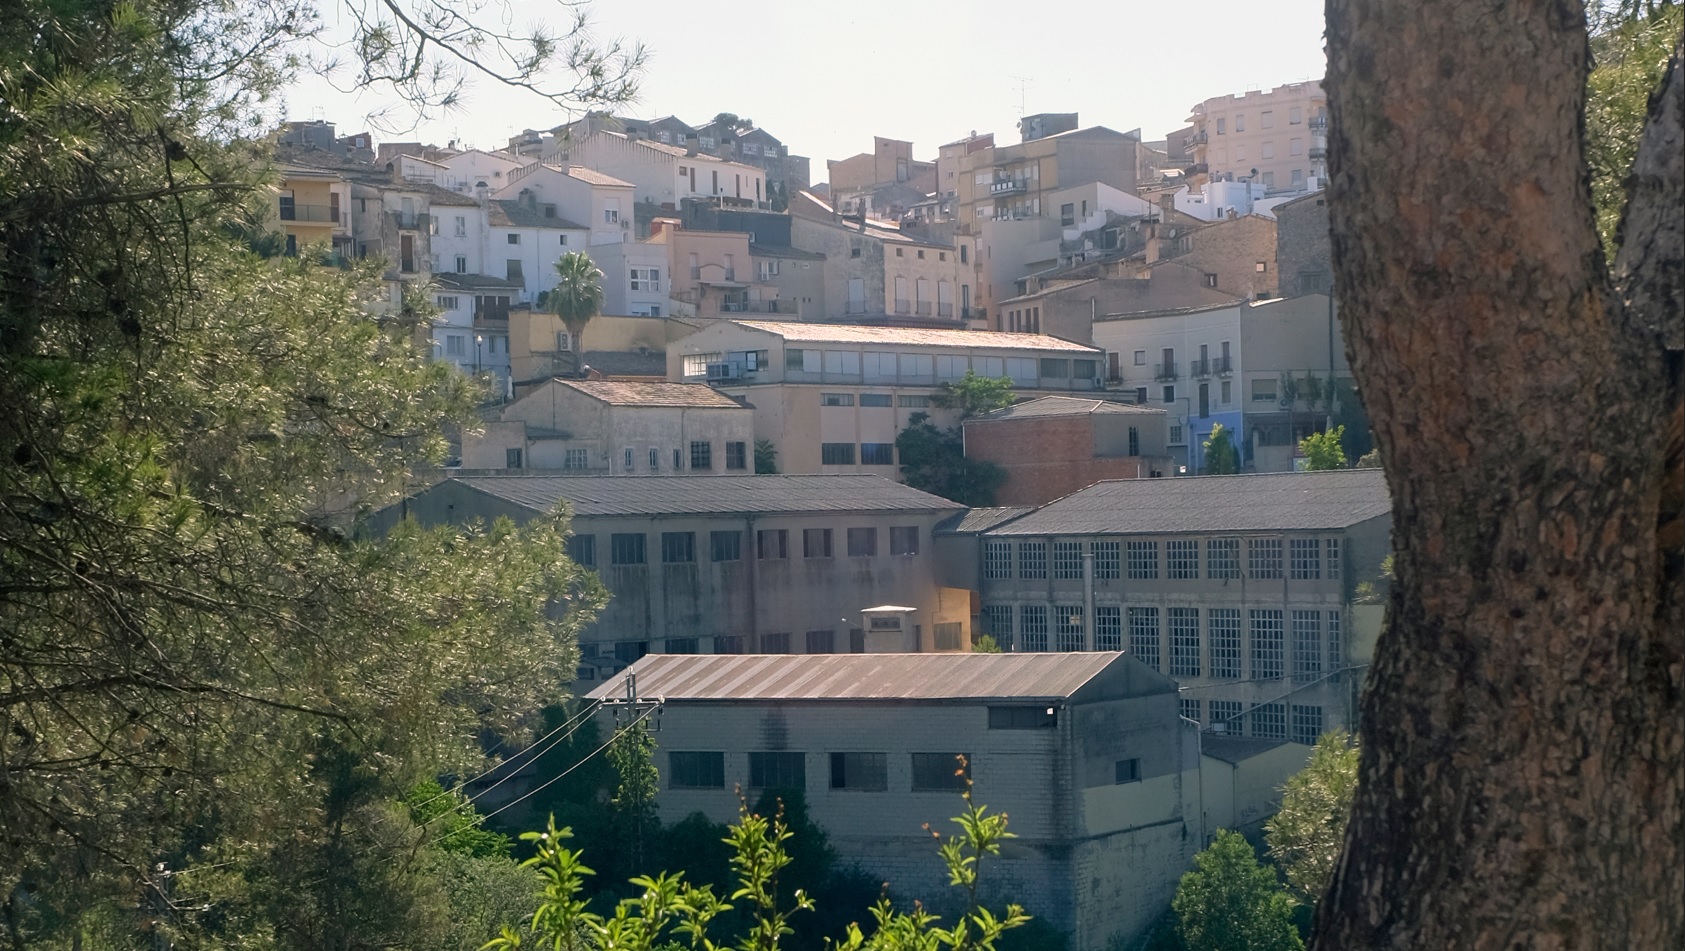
{"x":1523,"y":764}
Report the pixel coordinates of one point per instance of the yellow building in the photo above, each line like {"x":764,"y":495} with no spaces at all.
{"x":312,"y":206}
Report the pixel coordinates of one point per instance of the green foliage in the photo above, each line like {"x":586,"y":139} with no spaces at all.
{"x":632,"y":754}
{"x":452,"y":822}
{"x":668,"y":910}
{"x":1324,"y":450}
{"x":1220,"y":455}
{"x":1630,"y":49}
{"x":985,"y":644}
{"x":933,"y":460}
{"x":1306,"y":835}
{"x":766,"y":457}
{"x":1231,"y":902}
{"x":974,"y":395}
{"x":577,"y":296}
{"x":1369,"y":460}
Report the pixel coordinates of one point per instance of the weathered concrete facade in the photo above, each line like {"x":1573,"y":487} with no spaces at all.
{"x":1053,"y":446}
{"x":1304,"y":259}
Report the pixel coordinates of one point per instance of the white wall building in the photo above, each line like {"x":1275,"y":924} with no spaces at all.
{"x":664,"y":175}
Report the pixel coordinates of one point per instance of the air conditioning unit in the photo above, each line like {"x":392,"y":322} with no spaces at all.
{"x":719,"y":372}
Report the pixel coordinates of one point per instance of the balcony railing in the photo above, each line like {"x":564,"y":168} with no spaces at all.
{"x":922,"y":308}
{"x":1164,"y":371}
{"x":1222,"y":366}
{"x":293,"y":211}
{"x":1199,"y":368}
{"x":1199,"y":138}
{"x":1317,"y":123}
{"x":758,"y":307}
{"x":1011,"y":186}
{"x":1318,"y":153}
{"x":944,"y":310}
{"x":412,"y":221}
{"x":903,"y":306}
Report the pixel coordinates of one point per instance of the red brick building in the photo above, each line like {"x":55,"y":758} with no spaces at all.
{"x":1056,"y":445}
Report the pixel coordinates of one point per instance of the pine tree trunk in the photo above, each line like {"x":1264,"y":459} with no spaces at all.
{"x":1523,"y":728}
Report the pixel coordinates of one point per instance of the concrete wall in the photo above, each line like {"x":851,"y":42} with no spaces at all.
{"x":1046,"y":458}
{"x":1239,"y":150}
{"x":1304,"y":260}
{"x":1240,"y":796}
{"x":1233,"y":250}
{"x":1070,"y":311}
{"x":850,"y":254}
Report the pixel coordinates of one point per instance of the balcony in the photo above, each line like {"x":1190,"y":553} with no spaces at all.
{"x":1164,"y":372}
{"x":758,"y":307}
{"x":410,"y":222}
{"x":1222,"y":366}
{"x":903,"y":306}
{"x":1199,"y":369}
{"x":1199,"y":138}
{"x":1317,"y":123}
{"x":944,"y":310}
{"x":922,"y":308}
{"x":323,"y":214}
{"x":1011,"y":186}
{"x":1318,"y":153}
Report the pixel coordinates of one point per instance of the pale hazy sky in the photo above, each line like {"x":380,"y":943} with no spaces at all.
{"x":826,"y":77}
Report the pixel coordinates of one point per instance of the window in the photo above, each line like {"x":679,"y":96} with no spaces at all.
{"x":678,"y":462}
{"x":1068,"y":632}
{"x":611,"y":216}
{"x":702,"y":455}
{"x":1126,"y":771}
{"x":1188,"y":709}
{"x":1224,"y":627}
{"x":1032,"y":559}
{"x":725,"y":546}
{"x":1225,"y":716}
{"x":1295,"y":115}
{"x":1067,"y":214}
{"x":627,"y":460}
{"x":1108,"y":628}
{"x":1266,"y":119}
{"x":997,"y":560}
{"x":626,"y":548}
{"x":1222,"y":558}
{"x":1140,"y":358}
{"x":1266,"y":636}
{"x":1032,"y":626}
{"x":678,"y":548}
{"x":877,"y":454}
{"x":736,"y":456}
{"x":646,"y":278}
{"x":462,"y":264}
{"x":682,"y":645}
{"x":1143,"y":561}
{"x":511,"y":458}
{"x":1240,"y":123}
{"x":455,"y":345}
{"x":1221,"y":123}
{"x":1296,"y":147}
{"x":1037,"y":717}
{"x":563,"y":240}
{"x":836,"y":454}
{"x":997,"y":623}
{"x":867,"y":772}
{"x":1184,"y":642}
{"x":821,"y":642}
{"x":900,"y":253}
{"x":1170,"y":394}
{"x":1307,"y":645}
{"x":576,"y":459}
{"x":1335,"y":652}
{"x":778,"y":770}
{"x":1269,"y":721}
{"x":1263,"y":559}
{"x":582,"y":550}
{"x":1067,"y":560}
{"x":446,"y":303}
{"x":775,"y":643}
{"x":1305,"y":562}
{"x":654,"y":459}
{"x":1267,"y":151}
{"x":904,"y":540}
{"x":862,"y":542}
{"x":912,"y":402}
{"x":729,"y":644}
{"x":876,"y":399}
{"x":1332,"y":547}
{"x":1143,"y":635}
{"x":695,"y":770}
{"x":514,"y":239}
{"x":1210,"y":280}
{"x":1054,"y":369}
{"x":1307,"y":724}
{"x":948,"y":634}
{"x":836,"y":399}
{"x":1181,"y":559}
{"x":941,"y":772}
{"x":816,"y":543}
{"x":1107,"y":560}
{"x":1263,"y":391}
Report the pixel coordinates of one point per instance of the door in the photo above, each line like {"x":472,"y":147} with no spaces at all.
{"x":1113,"y":370}
{"x":1204,"y":400}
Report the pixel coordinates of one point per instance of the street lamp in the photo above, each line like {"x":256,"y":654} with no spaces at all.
{"x":478,"y":340}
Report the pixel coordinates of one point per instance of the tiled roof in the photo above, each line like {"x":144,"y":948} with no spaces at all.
{"x":1285,"y":501}
{"x":973,"y":521}
{"x":634,"y":393}
{"x":626,"y":362}
{"x":1049,"y":406}
{"x":866,"y":677}
{"x":591,"y":176}
{"x":908,"y":336}
{"x":707,"y":495}
{"x":1175,"y":311}
{"x":509,"y":213}
{"x":468,"y":282}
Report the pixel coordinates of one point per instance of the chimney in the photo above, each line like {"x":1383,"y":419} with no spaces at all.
{"x":1152,"y":242}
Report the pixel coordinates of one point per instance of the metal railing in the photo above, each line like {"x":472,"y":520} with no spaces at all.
{"x":1222,"y":366}
{"x":944,"y":310}
{"x":1011,"y":186}
{"x":293,"y":211}
{"x":1164,"y":371}
{"x":412,"y":221}
{"x":922,"y":308}
{"x":1199,"y":368}
{"x":903,"y":306}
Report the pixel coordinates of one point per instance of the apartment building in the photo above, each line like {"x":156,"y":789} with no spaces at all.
{"x":1304,"y":260}
{"x":1227,"y":363}
{"x":874,"y":269}
{"x":714,"y":273}
{"x":1085,"y":753}
{"x":833,"y":397}
{"x":664,"y":175}
{"x":1240,"y":588}
{"x":312,"y":208}
{"x":774,"y":564}
{"x":614,"y":346}
{"x":1277,"y":138}
{"x":614,"y":427}
{"x":883,"y":183}
{"x":1052,"y":446}
{"x":476,"y":172}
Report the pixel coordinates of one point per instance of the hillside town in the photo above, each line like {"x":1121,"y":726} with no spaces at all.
{"x":1123,"y":345}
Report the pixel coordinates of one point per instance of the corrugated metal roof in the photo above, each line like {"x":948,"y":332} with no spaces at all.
{"x":1040,"y":676}
{"x":652,"y":495}
{"x":1235,"y":749}
{"x":904,"y":336}
{"x":977,"y":520}
{"x":1048,"y":406}
{"x":1286,"y":501}
{"x":635,"y":393}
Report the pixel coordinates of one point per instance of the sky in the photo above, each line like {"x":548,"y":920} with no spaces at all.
{"x":826,"y":77}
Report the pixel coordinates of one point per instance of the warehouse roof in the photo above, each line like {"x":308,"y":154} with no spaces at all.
{"x":705,"y":495}
{"x":904,"y":336}
{"x":880,"y":677}
{"x":1050,"y":406}
{"x":1285,"y":501}
{"x":974,"y":521}
{"x":635,"y":393}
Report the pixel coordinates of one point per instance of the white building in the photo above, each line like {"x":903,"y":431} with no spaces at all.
{"x":476,"y":172}
{"x":664,"y":175}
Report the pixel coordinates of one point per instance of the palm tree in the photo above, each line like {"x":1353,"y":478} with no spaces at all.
{"x":578,"y":296}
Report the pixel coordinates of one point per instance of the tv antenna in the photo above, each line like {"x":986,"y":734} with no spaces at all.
{"x":1023,"y":84}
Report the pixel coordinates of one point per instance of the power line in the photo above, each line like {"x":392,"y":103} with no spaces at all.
{"x":583,"y":712}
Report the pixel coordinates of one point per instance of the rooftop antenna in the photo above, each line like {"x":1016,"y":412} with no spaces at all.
{"x":1023,"y":83}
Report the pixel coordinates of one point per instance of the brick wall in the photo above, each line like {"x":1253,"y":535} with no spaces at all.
{"x":1046,"y":458}
{"x":1231,"y":250}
